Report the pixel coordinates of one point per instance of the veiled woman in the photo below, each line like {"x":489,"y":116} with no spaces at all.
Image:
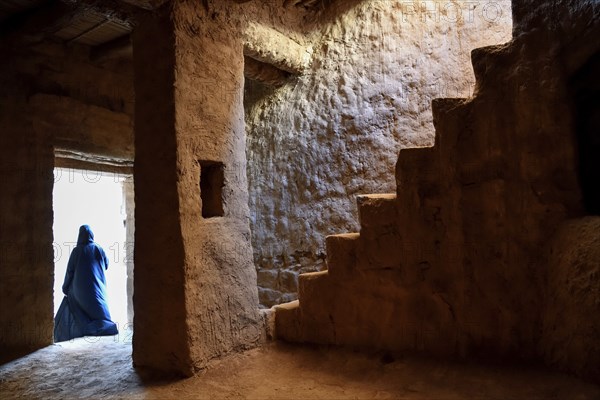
{"x":84,"y":310}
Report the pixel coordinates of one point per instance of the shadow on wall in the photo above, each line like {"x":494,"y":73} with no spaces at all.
{"x":585,"y":90}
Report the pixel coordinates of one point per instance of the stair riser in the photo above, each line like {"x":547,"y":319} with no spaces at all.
{"x":377,"y":213}
{"x":379,"y":251}
{"x":315,"y":291}
{"x":341,"y":255}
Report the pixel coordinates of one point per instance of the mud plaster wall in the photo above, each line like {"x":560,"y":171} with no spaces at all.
{"x":472,"y":259}
{"x":86,"y":107}
{"x":220,"y":294}
{"x":158,"y":299}
{"x":26,"y":267}
{"x":335,"y":131}
{"x":195,"y":299}
{"x":51,"y":96}
{"x":573,"y":295}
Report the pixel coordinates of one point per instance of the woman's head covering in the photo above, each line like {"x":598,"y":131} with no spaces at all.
{"x":85,"y":235}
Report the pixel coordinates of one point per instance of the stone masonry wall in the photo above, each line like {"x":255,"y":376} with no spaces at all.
{"x":335,"y":132}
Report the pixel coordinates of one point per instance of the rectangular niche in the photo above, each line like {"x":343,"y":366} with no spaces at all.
{"x":212,"y":180}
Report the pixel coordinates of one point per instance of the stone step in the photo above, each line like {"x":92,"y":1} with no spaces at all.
{"x":377,"y":210}
{"x":341,"y":253}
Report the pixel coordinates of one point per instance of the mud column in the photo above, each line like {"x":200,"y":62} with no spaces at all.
{"x":195,"y":295}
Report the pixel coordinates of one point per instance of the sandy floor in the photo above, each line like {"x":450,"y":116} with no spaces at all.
{"x":101,"y":369}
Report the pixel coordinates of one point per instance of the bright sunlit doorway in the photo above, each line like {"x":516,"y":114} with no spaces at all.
{"x":100,"y":200}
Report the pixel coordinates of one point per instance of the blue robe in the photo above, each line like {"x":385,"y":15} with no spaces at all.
{"x":84,"y":310}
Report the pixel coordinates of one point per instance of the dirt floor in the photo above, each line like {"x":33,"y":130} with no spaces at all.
{"x":100,"y":368}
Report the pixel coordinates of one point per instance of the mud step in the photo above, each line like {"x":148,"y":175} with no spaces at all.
{"x":287,"y":321}
{"x":448,"y":111}
{"x":341,"y":253}
{"x":414,"y":165}
{"x":487,"y":62}
{"x":376,"y":210}
{"x":451,"y":120}
{"x":313,"y":291}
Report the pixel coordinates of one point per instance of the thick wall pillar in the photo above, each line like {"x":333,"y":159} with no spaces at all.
{"x":161,"y":339}
{"x":26,"y":256}
{"x":221,"y":291}
{"x":195,"y":291}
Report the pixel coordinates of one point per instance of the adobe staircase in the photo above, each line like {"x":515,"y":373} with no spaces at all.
{"x":387,"y":286}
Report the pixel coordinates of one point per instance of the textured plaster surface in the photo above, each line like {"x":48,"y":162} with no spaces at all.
{"x":205,"y":274}
{"x":335,"y":131}
{"x":221,"y":297}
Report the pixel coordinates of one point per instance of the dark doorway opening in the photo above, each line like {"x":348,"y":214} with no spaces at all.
{"x":585,"y":89}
